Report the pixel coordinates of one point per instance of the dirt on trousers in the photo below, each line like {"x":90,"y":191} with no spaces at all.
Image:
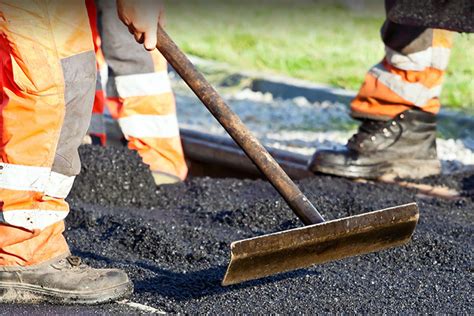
{"x":174,"y":243}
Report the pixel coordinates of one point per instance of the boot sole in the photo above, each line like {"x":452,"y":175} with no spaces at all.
{"x":28,"y":293}
{"x":414,"y":169}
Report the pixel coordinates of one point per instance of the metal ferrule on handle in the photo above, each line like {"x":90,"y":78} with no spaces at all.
{"x":238,"y":131}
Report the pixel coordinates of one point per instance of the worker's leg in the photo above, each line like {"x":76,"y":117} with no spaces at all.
{"x":32,"y":113}
{"x":397,"y":105}
{"x":148,"y":113}
{"x":47,"y":79}
{"x":409,"y":76}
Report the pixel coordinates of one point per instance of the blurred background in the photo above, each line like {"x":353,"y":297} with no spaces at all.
{"x":329,"y":42}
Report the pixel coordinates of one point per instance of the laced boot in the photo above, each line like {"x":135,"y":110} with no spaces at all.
{"x":63,"y":281}
{"x":403,"y":147}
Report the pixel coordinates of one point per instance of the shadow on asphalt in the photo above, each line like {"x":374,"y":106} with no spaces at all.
{"x":193,"y":285}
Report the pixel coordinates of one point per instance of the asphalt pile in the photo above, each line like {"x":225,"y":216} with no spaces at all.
{"x":174,"y":242}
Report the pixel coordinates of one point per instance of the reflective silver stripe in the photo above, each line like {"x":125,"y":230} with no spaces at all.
{"x":159,"y":126}
{"x":38,"y":179}
{"x":23,"y":178}
{"x":97,"y":125}
{"x":435,"y":57}
{"x":143,"y":84}
{"x":59,"y":185}
{"x":32,"y":219}
{"x":440,"y":57}
{"x":415,"y":93}
{"x":104,"y":77}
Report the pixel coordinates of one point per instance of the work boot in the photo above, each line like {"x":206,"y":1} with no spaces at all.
{"x":63,"y":281}
{"x":403,"y":147}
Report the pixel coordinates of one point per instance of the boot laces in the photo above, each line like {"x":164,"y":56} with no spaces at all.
{"x":70,"y":262}
{"x":367,"y":129}
{"x":74,"y":261}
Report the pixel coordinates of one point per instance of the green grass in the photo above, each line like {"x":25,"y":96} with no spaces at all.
{"x":320,"y":42}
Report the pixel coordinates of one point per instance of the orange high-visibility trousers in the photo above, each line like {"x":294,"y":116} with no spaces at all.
{"x":139,"y":95}
{"x":410,"y":74}
{"x":47,"y":79}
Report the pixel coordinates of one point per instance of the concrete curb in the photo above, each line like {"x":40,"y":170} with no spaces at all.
{"x":289,"y":88}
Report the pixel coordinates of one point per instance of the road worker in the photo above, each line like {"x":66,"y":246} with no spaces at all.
{"x":397,"y":104}
{"x":47,"y":80}
{"x":138,"y":94}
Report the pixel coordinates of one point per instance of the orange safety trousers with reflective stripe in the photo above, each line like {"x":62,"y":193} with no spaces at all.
{"x":410,"y":74}
{"x":47,"y":78}
{"x":138,"y":95}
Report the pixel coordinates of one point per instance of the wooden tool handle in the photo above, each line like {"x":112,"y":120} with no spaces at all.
{"x":237,"y":130}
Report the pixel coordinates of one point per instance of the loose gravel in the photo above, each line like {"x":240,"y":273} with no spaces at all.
{"x":301,"y":126}
{"x":174,"y":243}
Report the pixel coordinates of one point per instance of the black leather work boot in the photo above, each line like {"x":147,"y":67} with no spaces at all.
{"x":404,"y":147}
{"x":63,"y":281}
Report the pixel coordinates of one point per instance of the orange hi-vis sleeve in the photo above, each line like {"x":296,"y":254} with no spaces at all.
{"x":47,"y":83}
{"x":407,"y":77}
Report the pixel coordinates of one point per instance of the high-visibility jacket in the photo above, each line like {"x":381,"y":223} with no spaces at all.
{"x":138,"y":94}
{"x":410,"y":74}
{"x":47,"y":79}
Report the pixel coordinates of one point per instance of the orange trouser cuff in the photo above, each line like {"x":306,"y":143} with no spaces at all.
{"x":21,"y":247}
{"x":410,"y":75}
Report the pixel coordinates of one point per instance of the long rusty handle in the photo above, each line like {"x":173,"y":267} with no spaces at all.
{"x":238,"y":131}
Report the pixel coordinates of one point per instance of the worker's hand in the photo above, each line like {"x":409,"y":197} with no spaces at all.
{"x":141,"y":17}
